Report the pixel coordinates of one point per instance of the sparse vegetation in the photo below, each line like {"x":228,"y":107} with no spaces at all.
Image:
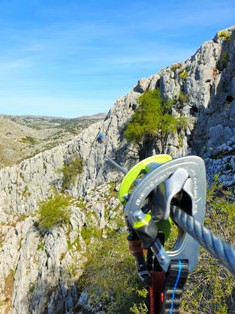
{"x":224,"y":35}
{"x":74,"y":245}
{"x":54,"y":212}
{"x":176,"y":66}
{"x":26,"y":192}
{"x":110,"y":277}
{"x":41,"y":246}
{"x":184,"y":75}
{"x":180,"y":140}
{"x":72,"y":168}
{"x":223,"y":61}
{"x":29,"y":140}
{"x":211,"y":288}
{"x":31,"y":287}
{"x":89,"y":232}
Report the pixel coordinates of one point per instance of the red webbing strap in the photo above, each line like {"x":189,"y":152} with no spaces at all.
{"x":156,"y":292}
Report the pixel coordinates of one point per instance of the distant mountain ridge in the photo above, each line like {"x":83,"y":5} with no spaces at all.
{"x":24,"y":136}
{"x":99,"y":115}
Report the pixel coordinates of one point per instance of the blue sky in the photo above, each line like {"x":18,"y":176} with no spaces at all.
{"x":70,"y":58}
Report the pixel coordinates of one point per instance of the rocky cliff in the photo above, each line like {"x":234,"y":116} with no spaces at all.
{"x":39,"y":271}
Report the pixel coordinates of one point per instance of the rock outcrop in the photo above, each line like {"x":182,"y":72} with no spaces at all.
{"x":38,"y":272}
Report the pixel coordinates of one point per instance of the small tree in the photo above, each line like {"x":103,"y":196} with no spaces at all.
{"x":151,"y":123}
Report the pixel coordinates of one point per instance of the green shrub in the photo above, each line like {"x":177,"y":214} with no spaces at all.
{"x":72,"y":168}
{"x":183,"y":75}
{"x":41,"y":246}
{"x":53,"y":212}
{"x":29,"y":139}
{"x":89,"y":232}
{"x":224,"y":35}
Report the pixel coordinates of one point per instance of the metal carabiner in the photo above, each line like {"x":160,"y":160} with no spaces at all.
{"x":143,"y":167}
{"x":180,"y":182}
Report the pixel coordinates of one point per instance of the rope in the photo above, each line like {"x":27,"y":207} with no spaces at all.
{"x":217,"y":247}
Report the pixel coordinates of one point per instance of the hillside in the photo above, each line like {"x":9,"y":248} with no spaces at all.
{"x":25,"y":136}
{"x":80,"y":264}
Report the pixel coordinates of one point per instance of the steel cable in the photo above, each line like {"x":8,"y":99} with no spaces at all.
{"x":217,"y":247}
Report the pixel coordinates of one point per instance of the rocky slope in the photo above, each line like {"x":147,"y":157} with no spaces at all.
{"x":39,"y":272}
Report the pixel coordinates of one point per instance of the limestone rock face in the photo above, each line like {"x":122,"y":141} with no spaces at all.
{"x":39,"y":272}
{"x":208,"y":80}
